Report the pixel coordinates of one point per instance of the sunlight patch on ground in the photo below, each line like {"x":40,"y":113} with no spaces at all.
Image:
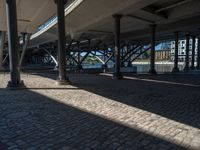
{"x":155,"y":81}
{"x":141,"y":120}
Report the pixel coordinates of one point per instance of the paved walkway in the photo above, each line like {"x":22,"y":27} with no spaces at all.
{"x":138,"y":113}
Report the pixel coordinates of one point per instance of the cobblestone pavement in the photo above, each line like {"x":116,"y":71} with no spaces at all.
{"x":95,"y":112}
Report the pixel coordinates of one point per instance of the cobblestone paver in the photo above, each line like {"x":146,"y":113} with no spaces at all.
{"x":95,"y":112}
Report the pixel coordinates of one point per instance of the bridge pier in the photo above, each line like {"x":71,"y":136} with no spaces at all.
{"x":198,"y":54}
{"x":62,"y":78}
{"x":152,"y":62}
{"x":15,"y":81}
{"x":187,"y":52}
{"x":176,"y":68}
{"x":193,"y":52}
{"x":117,"y":75}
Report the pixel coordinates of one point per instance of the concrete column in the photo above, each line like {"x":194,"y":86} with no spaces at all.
{"x":176,"y":69}
{"x":193,"y":52}
{"x":187,"y":52}
{"x":2,"y":41}
{"x":13,"y":43}
{"x":152,"y":62}
{"x":117,"y":75}
{"x":198,"y":54}
{"x":62,"y":78}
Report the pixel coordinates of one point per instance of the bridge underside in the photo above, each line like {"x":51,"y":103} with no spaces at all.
{"x":120,"y":31}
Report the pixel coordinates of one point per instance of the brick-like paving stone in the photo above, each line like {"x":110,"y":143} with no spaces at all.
{"x":96,"y":112}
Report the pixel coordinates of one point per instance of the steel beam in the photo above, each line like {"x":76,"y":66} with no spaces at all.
{"x":62,"y":78}
{"x":187,"y":52}
{"x":193,"y":52}
{"x":109,"y":58}
{"x":153,"y":44}
{"x":51,"y":56}
{"x":74,"y":60}
{"x":79,"y":66}
{"x":117,"y":74}
{"x":131,"y":53}
{"x":106,"y":55}
{"x":13,"y":43}
{"x":145,"y":50}
{"x":88,"y":53}
{"x":94,"y":54}
{"x":23,"y":37}
{"x":176,"y":68}
{"x":26,"y":40}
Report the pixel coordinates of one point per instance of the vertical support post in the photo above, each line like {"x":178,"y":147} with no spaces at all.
{"x":117,"y":74}
{"x":13,"y":45}
{"x":79,"y":57}
{"x":2,"y":42}
{"x":198,"y":54}
{"x":62,"y":78}
{"x":153,"y":43}
{"x":129,"y":56}
{"x":193,"y":51}
{"x":23,"y":37}
{"x":26,"y":40}
{"x":176,"y":69}
{"x":121,"y":56}
{"x":187,"y":52}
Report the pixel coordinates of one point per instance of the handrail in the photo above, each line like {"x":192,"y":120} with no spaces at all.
{"x":53,"y":20}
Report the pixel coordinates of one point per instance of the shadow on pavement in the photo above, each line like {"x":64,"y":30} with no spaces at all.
{"x":31,"y":120}
{"x":176,"y":102}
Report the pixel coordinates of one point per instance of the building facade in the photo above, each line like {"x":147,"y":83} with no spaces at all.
{"x":182,"y":49}
{"x":163,"y":51}
{"x":164,"y":54}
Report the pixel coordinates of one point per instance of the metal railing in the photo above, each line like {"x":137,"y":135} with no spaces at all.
{"x":53,"y":18}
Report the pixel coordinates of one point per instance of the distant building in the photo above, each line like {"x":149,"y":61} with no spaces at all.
{"x":163,"y":51}
{"x":164,"y":54}
{"x":182,"y":49}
